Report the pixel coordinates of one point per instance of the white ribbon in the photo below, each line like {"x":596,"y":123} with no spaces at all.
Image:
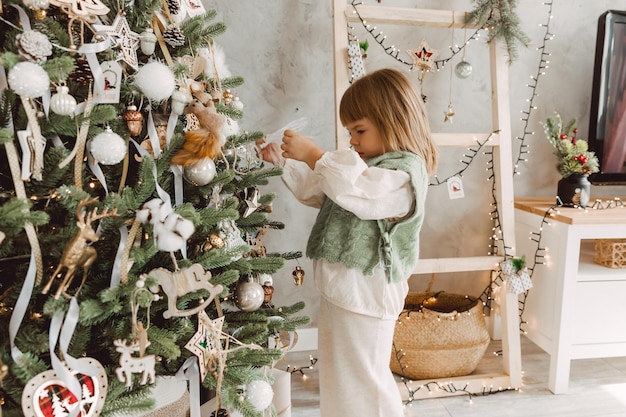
{"x":153,"y":135}
{"x":95,"y":168}
{"x":191,"y":372}
{"x":19,"y":310}
{"x":116,"y":274}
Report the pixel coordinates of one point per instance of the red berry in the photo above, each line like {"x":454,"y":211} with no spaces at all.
{"x":575,"y":130}
{"x":563,"y":136}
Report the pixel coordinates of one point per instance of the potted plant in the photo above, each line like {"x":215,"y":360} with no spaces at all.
{"x":575,"y":161}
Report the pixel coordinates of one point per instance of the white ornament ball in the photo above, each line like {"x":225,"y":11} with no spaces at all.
{"x":156,"y":81}
{"x":29,"y":80}
{"x":249,"y":295}
{"x":62,"y":103}
{"x":201,"y":173}
{"x":108,"y":147}
{"x":260,"y":394}
{"x":463,"y":69}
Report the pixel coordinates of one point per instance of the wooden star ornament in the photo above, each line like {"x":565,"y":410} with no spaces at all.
{"x":206,"y":343}
{"x":123,"y":37}
{"x":423,"y":57}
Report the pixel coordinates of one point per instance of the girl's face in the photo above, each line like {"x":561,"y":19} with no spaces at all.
{"x":365,"y":138}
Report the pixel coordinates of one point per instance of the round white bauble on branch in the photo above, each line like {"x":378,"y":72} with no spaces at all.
{"x":62,"y":103}
{"x":201,"y":173}
{"x":248,"y":295}
{"x":156,"y":81}
{"x":28,"y":79}
{"x":37,"y":4}
{"x":260,"y":394}
{"x":108,"y":147}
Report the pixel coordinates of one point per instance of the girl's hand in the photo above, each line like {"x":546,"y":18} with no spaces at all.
{"x":270,"y":152}
{"x":300,"y":148}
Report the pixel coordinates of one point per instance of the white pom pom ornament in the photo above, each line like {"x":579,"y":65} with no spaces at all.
{"x":156,"y":81}
{"x":260,"y":394}
{"x":108,"y":147}
{"x":28,"y":80}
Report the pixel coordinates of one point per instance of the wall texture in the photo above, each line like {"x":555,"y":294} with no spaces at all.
{"x":283,"y":49}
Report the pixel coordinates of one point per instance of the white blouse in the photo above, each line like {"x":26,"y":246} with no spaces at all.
{"x":370,"y":193}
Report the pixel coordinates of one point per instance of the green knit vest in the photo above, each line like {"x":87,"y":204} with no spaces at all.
{"x":341,"y":237}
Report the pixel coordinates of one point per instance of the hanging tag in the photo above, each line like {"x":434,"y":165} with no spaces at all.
{"x":455,"y":187}
{"x":109,"y":90}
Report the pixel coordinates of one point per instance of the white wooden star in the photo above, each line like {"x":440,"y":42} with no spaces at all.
{"x":123,"y":37}
{"x":423,"y":56}
{"x":206,"y":343}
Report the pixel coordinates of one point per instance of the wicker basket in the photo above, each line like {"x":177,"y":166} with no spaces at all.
{"x":439,"y":335}
{"x":610,"y":252}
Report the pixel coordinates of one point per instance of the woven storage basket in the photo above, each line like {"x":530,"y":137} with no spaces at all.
{"x":439,"y":335}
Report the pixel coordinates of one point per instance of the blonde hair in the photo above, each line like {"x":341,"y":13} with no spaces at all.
{"x":390,"y":101}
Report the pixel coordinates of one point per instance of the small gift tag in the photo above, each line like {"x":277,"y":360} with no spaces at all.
{"x":109,"y":91}
{"x":455,"y":187}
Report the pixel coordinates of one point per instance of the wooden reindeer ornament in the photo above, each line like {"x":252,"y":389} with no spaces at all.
{"x":205,"y":142}
{"x":78,"y":253}
{"x":130,"y":364}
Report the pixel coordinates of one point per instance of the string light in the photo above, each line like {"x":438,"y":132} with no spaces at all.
{"x":543,"y":65}
{"x":393,"y":52}
{"x":300,"y":370}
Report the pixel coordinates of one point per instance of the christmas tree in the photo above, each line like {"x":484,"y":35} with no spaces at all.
{"x":131,"y":213}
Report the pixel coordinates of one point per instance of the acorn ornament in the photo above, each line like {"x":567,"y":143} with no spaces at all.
{"x":134,"y":120}
{"x":180,"y":99}
{"x":298,"y":276}
{"x":62,"y":103}
{"x":147,"y":41}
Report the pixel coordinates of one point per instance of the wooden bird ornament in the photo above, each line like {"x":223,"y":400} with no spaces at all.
{"x":207,"y":140}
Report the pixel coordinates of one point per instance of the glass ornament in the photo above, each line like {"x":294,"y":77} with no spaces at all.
{"x":249,"y":295}
{"x":463,"y":69}
{"x":200,"y":173}
{"x":148,"y":41}
{"x":108,"y":148}
{"x":62,"y":103}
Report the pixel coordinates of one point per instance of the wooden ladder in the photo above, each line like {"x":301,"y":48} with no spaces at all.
{"x":500,"y":142}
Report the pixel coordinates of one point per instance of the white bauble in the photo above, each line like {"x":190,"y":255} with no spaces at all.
{"x":29,"y":80}
{"x":463,"y":69}
{"x":156,"y":81}
{"x":62,"y":103}
{"x":260,"y":394}
{"x":249,"y":295}
{"x":108,"y":148}
{"x":201,"y":173}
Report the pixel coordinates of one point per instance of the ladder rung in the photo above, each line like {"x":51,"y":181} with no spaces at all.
{"x":409,"y":16}
{"x":466,"y":264}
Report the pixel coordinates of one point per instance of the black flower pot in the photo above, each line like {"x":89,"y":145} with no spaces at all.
{"x":574,"y":190}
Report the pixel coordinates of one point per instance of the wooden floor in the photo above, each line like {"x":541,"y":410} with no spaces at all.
{"x":597,"y":388}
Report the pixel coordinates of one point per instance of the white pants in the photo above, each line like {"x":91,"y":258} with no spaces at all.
{"x":354,"y":353}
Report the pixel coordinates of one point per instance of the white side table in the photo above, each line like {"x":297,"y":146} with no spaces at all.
{"x":576,"y":307}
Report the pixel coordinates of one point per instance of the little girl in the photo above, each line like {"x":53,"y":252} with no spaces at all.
{"x":365,"y":241}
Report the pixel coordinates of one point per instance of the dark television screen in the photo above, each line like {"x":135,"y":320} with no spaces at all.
{"x":607,"y":121}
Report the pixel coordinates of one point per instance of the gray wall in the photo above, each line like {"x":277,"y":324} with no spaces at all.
{"x":283,"y":49}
